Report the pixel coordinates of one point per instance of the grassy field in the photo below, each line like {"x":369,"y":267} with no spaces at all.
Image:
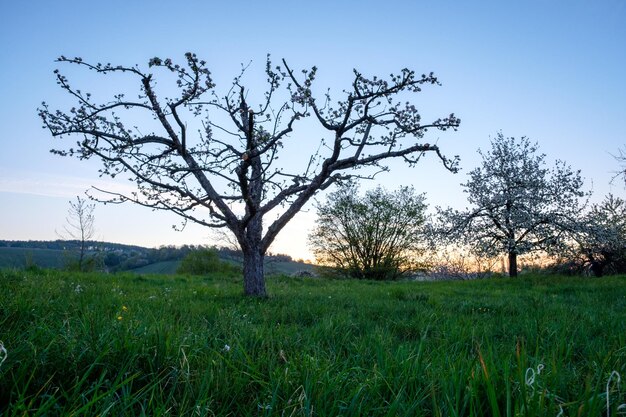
{"x":94,"y":344}
{"x":164,"y":267}
{"x":45,"y":258}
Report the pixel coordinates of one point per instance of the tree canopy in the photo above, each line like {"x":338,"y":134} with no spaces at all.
{"x":211,"y":156}
{"x":375,"y":236}
{"x":599,"y":238}
{"x":518,"y":203}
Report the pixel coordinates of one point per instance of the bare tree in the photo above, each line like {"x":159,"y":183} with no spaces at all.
{"x":518,"y":205}
{"x":225,"y":173}
{"x":80,"y":226}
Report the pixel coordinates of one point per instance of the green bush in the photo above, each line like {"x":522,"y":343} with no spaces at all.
{"x":378,"y":236}
{"x":205,"y":261}
{"x":90,"y":263}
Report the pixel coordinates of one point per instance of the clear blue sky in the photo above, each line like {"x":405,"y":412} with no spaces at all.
{"x":554,"y":71}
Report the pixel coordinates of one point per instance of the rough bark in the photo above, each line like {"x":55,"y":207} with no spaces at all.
{"x":512,"y":264}
{"x":253,"y":277}
{"x":253,"y":255}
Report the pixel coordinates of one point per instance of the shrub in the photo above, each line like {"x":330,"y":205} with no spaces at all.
{"x":378,"y":236}
{"x":205,"y":261}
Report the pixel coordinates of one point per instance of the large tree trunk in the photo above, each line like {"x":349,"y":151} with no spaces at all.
{"x":253,"y":255}
{"x":253,"y":277}
{"x":513,"y":264}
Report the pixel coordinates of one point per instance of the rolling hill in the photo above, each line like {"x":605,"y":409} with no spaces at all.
{"x":116,"y":257}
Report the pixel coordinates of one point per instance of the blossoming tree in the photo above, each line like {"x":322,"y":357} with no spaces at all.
{"x":598,"y":239}
{"x":519,"y":205}
{"x":226,"y":172}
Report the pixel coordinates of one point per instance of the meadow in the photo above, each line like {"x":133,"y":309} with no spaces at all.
{"x":132,"y":345}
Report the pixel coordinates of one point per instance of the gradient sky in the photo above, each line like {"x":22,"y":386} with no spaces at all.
{"x":554,"y":71}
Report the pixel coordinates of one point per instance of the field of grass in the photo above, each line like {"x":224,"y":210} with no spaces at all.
{"x":164,"y":267}
{"x":44,"y":258}
{"x":115,"y":345}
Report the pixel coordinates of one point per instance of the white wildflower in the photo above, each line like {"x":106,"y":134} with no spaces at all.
{"x":3,"y":353}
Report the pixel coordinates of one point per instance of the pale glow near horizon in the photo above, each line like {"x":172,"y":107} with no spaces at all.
{"x":112,"y":219}
{"x":550,"y":71}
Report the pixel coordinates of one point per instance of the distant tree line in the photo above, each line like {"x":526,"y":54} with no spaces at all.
{"x":60,"y":244}
{"x":115,"y":257}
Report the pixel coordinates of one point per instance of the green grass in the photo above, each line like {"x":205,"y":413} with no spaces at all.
{"x":44,"y":258}
{"x":95,"y":344}
{"x":163,"y":267}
